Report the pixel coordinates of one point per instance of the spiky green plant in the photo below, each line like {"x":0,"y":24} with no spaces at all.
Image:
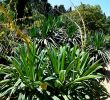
{"x":96,"y":47}
{"x":24,"y":74}
{"x":69,"y":69}
{"x":49,"y":73}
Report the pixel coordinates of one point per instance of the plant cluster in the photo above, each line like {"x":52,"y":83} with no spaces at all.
{"x":62,"y":73}
{"x":50,"y":57}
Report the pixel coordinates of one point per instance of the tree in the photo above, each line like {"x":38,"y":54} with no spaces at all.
{"x":93,"y":17}
{"x":107,"y":26}
{"x":61,"y":9}
{"x":20,"y":8}
{"x":46,"y":1}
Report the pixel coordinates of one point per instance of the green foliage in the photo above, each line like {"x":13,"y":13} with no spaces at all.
{"x":25,"y":71}
{"x":97,"y":40}
{"x":71,"y":30}
{"x":73,"y":59}
{"x":49,"y":68}
{"x":45,"y":30}
{"x":50,"y":73}
{"x":49,"y":25}
{"x":96,"y":47}
{"x":7,"y":45}
{"x":92,"y":15}
{"x":107,"y":26}
{"x":43,"y":27}
{"x":107,"y":38}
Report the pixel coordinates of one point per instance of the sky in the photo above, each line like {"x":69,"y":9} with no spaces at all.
{"x":105,"y":4}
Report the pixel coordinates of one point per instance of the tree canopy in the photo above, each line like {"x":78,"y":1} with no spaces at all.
{"x":92,"y":15}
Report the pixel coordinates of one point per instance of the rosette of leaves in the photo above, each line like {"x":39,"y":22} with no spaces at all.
{"x":23,"y":78}
{"x":45,"y":31}
{"x":97,"y":48}
{"x":69,"y":70}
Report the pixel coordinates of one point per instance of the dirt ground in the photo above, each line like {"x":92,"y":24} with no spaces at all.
{"x":106,"y":82}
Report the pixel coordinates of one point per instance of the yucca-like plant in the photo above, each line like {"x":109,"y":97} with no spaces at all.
{"x":49,"y":73}
{"x":98,"y":40}
{"x":97,"y":49}
{"x":24,"y":75}
{"x":45,"y":32}
{"x":57,"y":31}
{"x":68,"y":70}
